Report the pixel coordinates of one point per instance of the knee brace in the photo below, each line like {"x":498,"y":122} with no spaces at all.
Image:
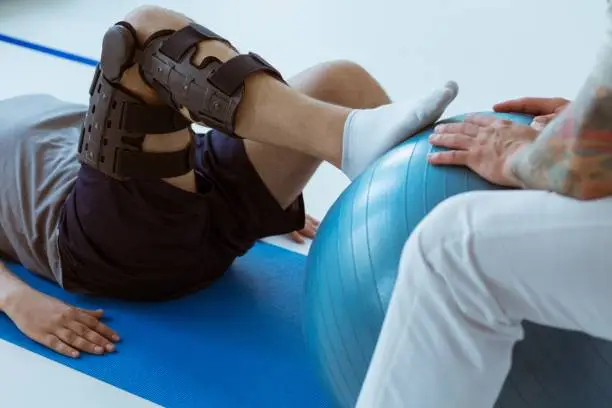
{"x":117,"y":121}
{"x":211,"y":91}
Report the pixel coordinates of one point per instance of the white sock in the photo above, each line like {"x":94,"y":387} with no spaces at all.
{"x":368,"y":134}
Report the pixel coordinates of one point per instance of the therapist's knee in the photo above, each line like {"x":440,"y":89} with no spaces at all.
{"x":437,"y":241}
{"x":449,"y":221}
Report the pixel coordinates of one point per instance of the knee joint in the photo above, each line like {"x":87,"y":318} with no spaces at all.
{"x":349,"y":84}
{"x":446,"y":222}
{"x":150,"y":19}
{"x":118,"y":121}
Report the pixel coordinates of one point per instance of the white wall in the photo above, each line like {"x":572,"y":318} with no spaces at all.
{"x":494,"y":49}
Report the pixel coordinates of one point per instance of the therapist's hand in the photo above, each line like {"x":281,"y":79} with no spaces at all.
{"x":544,"y":109}
{"x":484,"y":144}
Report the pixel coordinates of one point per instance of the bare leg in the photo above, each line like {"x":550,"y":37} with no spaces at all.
{"x":276,"y":114}
{"x":269,"y":108}
{"x":285,"y":171}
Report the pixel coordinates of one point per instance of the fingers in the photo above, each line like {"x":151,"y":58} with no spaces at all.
{"x":77,"y":331}
{"x":466,"y":128}
{"x":93,"y":323}
{"x":312,"y":220}
{"x":311,"y":225}
{"x":464,"y":135}
{"x":452,"y":140}
{"x":55,"y":344}
{"x":95,"y":313}
{"x":91,"y":336}
{"x":296,"y":237}
{"x":540,"y":122}
{"x":71,"y":338}
{"x":532,"y":106}
{"x":562,"y":104}
{"x":453,"y":158}
{"x":310,"y":230}
{"x":459,"y":137}
{"x":487,"y":121}
{"x":83,"y":331}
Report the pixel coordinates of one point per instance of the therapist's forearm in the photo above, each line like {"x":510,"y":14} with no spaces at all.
{"x":10,"y":287}
{"x":573,"y":154}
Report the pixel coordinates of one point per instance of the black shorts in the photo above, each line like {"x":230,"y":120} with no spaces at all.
{"x":148,"y":240}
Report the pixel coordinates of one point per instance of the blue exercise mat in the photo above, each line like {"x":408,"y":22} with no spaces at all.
{"x":238,"y":343}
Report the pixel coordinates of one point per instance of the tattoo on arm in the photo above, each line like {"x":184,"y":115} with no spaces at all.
{"x":573,"y":154}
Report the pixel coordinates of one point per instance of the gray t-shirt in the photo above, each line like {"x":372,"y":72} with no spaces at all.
{"x":38,"y":143}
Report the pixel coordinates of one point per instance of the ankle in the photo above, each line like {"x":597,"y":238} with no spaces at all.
{"x":273,"y":113}
{"x":335,"y":146}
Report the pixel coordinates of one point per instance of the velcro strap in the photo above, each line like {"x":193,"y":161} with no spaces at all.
{"x":230,"y":76}
{"x":138,"y":118}
{"x":211,"y":90}
{"x":144,"y":165}
{"x":177,"y":45}
{"x":115,"y":127}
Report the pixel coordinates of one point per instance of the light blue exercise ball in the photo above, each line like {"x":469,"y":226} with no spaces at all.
{"x":352,"y":267}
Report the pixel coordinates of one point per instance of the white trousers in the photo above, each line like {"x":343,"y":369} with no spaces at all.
{"x":477,"y":266}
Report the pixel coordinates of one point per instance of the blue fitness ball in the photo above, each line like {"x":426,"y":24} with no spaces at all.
{"x":352,"y":267}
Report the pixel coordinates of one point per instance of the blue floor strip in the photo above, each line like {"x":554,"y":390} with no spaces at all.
{"x":47,"y":50}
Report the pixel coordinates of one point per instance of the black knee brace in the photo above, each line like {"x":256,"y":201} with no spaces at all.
{"x":211,"y":91}
{"x":117,"y":121}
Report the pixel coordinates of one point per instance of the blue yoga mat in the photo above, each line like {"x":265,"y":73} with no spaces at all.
{"x":237,"y":344}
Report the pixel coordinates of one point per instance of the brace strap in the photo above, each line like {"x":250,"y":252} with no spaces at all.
{"x":114,"y":129}
{"x":211,"y":91}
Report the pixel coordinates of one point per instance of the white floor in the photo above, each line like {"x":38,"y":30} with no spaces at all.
{"x":494,"y":49}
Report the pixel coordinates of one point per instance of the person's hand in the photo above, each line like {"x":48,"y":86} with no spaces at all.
{"x":309,"y":230}
{"x":65,"y":329}
{"x":484,"y":144}
{"x":544,"y":109}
